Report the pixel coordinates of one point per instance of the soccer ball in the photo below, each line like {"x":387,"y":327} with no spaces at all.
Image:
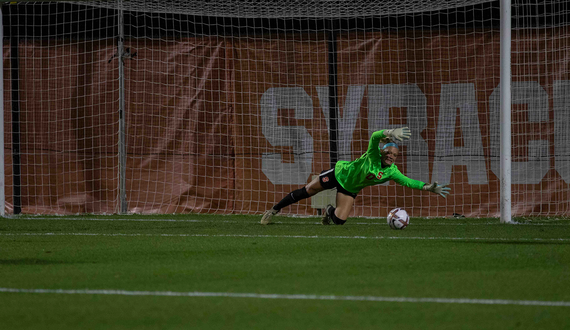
{"x":398,"y":219}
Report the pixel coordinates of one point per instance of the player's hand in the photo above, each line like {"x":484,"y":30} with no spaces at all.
{"x":442,"y":190}
{"x":400,"y":134}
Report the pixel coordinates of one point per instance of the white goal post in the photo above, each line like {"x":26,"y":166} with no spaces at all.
{"x":178,"y":106}
{"x":505,"y":123}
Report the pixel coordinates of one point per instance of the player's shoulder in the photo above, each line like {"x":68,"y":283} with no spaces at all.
{"x":392,"y":169}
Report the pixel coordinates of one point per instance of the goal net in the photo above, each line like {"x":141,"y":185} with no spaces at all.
{"x":226,"y":106}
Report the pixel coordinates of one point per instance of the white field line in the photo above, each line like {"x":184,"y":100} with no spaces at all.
{"x":380,"y":222}
{"x":294,"y":297}
{"x":514,"y":239}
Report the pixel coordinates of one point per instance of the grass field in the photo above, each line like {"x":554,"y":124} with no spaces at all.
{"x":229,"y":272}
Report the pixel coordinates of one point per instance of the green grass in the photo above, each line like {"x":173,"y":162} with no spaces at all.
{"x":473,"y":259}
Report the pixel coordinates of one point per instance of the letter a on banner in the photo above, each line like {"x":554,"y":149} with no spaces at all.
{"x":462,"y":97}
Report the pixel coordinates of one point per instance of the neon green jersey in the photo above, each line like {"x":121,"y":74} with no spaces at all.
{"x":367,"y":170}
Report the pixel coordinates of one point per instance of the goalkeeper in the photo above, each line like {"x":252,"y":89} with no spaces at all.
{"x":375,"y":166}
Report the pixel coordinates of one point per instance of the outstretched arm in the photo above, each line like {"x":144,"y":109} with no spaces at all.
{"x":442,"y":190}
{"x":386,"y":135}
{"x":377,"y":138}
{"x":403,"y":180}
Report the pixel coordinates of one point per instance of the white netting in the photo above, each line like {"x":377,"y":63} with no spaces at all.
{"x":273,"y":9}
{"x":228,"y":103}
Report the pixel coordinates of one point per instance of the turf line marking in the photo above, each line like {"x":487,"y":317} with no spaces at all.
{"x":300,"y":236}
{"x":295,"y":297}
{"x":382,"y":223}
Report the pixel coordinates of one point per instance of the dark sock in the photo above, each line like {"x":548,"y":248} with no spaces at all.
{"x":292,"y":197}
{"x":334,"y":218}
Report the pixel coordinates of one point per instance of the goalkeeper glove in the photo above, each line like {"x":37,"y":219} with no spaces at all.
{"x":399,"y":134}
{"x":442,"y":190}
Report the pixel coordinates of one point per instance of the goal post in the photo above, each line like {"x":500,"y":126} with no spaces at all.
{"x":2,"y":174}
{"x":505,"y":124}
{"x":225,"y":106}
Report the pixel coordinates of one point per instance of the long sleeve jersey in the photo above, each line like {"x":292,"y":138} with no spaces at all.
{"x":368,"y":171}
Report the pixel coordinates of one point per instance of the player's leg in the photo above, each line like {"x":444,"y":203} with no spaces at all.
{"x":307,"y":191}
{"x":343,"y":206}
{"x":339,"y":214}
{"x":314,"y":187}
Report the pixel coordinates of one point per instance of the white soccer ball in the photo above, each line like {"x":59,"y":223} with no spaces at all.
{"x":398,"y":219}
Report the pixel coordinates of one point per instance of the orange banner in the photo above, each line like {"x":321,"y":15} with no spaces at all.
{"x":230,"y":125}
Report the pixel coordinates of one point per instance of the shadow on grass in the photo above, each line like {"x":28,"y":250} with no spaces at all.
{"x":32,"y":261}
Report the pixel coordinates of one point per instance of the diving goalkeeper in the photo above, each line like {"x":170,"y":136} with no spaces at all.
{"x":375,"y":166}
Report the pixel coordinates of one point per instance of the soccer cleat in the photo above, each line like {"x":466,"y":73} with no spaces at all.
{"x":266,"y":218}
{"x":326,"y":219}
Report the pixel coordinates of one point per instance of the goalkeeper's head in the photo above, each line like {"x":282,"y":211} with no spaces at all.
{"x":389,"y":153}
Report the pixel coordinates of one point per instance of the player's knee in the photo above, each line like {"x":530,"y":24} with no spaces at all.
{"x":314,"y":188}
{"x":335,"y":219}
{"x":300,"y":194}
